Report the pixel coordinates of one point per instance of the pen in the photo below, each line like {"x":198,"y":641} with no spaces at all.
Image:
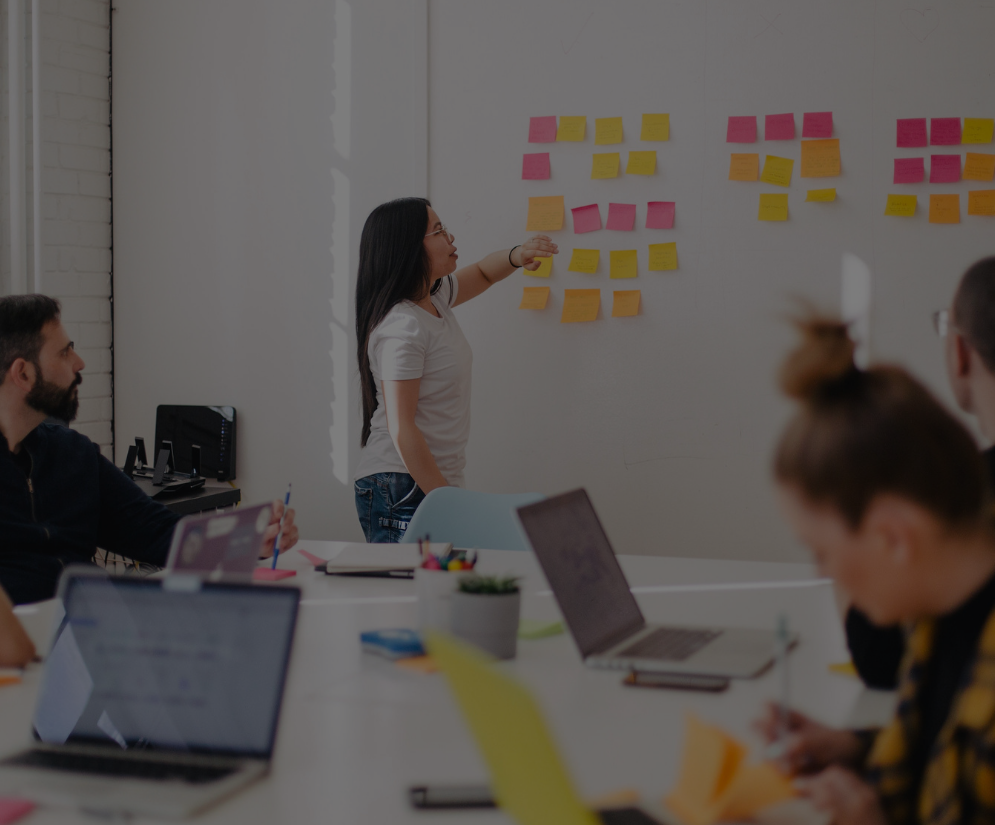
{"x":276,"y":541}
{"x":782,"y":657}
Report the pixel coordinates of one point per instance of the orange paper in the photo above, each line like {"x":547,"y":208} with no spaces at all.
{"x":978,"y":166}
{"x":625,"y":302}
{"x":820,"y":158}
{"x":944,"y":208}
{"x":580,"y":305}
{"x":981,"y":202}
{"x":744,"y":166}
{"x":545,"y":214}
{"x":534,"y":297}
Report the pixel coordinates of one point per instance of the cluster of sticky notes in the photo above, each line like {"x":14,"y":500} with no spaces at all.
{"x":622,"y":216}
{"x":817,"y":125}
{"x":606,"y":165}
{"x":584,"y":304}
{"x":945,"y":168}
{"x":624,"y":263}
{"x":943,"y":208}
{"x":911,"y":133}
{"x":716,"y":784}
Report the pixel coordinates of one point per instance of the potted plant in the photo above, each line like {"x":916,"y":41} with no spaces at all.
{"x":485,"y":613}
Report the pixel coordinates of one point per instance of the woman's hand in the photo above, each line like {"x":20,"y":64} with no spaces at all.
{"x":808,"y":747}
{"x":540,"y":246}
{"x":845,"y":796}
{"x":288,"y":535}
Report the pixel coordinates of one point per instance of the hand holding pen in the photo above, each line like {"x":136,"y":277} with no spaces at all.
{"x":282,"y":533}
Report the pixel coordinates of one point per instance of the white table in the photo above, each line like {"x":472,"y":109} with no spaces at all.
{"x":356,"y":730}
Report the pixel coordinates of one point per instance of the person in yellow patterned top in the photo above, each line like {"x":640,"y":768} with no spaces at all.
{"x":889,"y":492}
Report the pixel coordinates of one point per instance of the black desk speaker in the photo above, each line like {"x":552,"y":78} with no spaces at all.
{"x":210,"y":428}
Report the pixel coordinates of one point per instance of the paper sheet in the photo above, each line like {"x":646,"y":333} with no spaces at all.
{"x":660,"y":214}
{"x":944,"y":131}
{"x":944,"y":168}
{"x":817,"y":125}
{"x":584,"y":260}
{"x":744,"y":166}
{"x":545,"y":268}
{"x":742,"y":129}
{"x":623,"y":263}
{"x":981,"y":202}
{"x":580,"y":305}
{"x":911,"y":133}
{"x":663,"y":256}
{"x":779,"y":127}
{"x":910,"y":170}
{"x":901,"y":206}
{"x":542,"y":129}
{"x":777,"y":170}
{"x":545,"y":214}
{"x":979,"y":166}
{"x":655,"y":127}
{"x":621,"y":217}
{"x":625,"y":303}
{"x":607,"y":130}
{"x":535,"y":166}
{"x":534,"y":297}
{"x":944,"y":208}
{"x":821,"y":195}
{"x":586,"y":218}
{"x":978,"y":130}
{"x":605,"y":165}
{"x":820,"y":158}
{"x":572,"y":129}
{"x":773,"y":207}
{"x":641,"y":163}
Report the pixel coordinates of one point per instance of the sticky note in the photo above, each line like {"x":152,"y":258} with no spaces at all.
{"x":981,"y":202}
{"x":777,"y":170}
{"x":621,"y":216}
{"x":534,"y":297}
{"x":655,"y":127}
{"x":586,"y":218}
{"x":820,"y":158}
{"x":622,"y":263}
{"x":641,"y":163}
{"x":535,"y":166}
{"x":572,"y":129}
{"x":584,"y":260}
{"x":821,"y":195}
{"x":742,"y":130}
{"x":545,"y":268}
{"x":580,"y":305}
{"x":978,"y":166}
{"x":542,"y":129}
{"x":773,"y":207}
{"x":817,"y":125}
{"x":625,"y":303}
{"x":944,"y":208}
{"x":910,"y":170}
{"x":901,"y":206}
{"x":944,"y":168}
{"x":660,"y":214}
{"x":12,"y":809}
{"x":605,"y":165}
{"x":545,"y":214}
{"x":607,"y":130}
{"x":911,"y":133}
{"x":663,"y":256}
{"x":779,"y":127}
{"x":978,"y":130}
{"x":744,"y":167}
{"x":944,"y":131}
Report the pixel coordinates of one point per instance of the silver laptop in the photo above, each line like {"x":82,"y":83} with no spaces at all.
{"x":219,"y":545}
{"x":158,"y":697}
{"x":602,"y":613}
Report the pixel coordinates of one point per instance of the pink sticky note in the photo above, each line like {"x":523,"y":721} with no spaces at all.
{"x":817,"y":125}
{"x":621,"y":216}
{"x":944,"y":131}
{"x":944,"y":168}
{"x":660,"y":215}
{"x":268,"y":574}
{"x":586,"y":218}
{"x":911,"y":132}
{"x":542,"y":129}
{"x":779,"y":127}
{"x":12,"y":809}
{"x":909,"y":170}
{"x":535,"y":167}
{"x":311,"y":557}
{"x":742,"y":130}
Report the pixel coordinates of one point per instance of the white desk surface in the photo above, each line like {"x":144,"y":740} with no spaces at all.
{"x":356,"y":730}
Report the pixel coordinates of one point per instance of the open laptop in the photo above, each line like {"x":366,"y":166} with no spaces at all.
{"x":219,"y":545}
{"x":602,"y":614}
{"x":159,"y":696}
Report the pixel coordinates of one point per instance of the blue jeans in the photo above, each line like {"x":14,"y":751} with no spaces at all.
{"x":385,"y":503}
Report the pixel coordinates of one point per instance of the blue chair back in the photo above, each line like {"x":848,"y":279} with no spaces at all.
{"x":469,"y":518}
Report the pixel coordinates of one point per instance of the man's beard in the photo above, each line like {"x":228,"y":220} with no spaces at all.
{"x":51,"y":399}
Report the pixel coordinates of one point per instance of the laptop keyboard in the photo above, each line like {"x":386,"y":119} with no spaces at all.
{"x":672,"y":643}
{"x":115,"y":766}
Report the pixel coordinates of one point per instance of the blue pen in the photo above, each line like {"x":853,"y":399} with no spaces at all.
{"x":276,"y":541}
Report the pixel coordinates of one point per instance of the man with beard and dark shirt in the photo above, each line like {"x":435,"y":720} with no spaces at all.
{"x":60,"y":499}
{"x":968,"y":329}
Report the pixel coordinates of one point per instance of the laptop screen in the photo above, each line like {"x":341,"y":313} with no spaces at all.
{"x":138,"y":663}
{"x":226,"y":543}
{"x":580,"y":564}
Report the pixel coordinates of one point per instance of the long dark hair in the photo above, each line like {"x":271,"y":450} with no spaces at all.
{"x":393,"y":267}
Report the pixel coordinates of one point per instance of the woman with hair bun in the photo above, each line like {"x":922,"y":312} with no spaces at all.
{"x":890,"y":494}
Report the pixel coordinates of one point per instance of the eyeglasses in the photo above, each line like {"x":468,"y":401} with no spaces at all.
{"x":941,"y":322}
{"x":441,"y":231}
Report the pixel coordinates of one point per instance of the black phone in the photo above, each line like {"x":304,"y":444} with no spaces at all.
{"x":677,"y":681}
{"x":451,"y":796}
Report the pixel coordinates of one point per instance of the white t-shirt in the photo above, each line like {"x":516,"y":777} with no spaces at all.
{"x":412,"y":343}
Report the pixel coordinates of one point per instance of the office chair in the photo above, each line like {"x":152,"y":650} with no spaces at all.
{"x":468,"y":518}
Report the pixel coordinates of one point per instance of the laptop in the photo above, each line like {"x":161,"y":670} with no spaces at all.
{"x":602,"y":614}
{"x":219,"y":545}
{"x":159,"y":696}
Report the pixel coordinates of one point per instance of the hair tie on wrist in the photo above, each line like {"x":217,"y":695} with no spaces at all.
{"x":509,"y":256}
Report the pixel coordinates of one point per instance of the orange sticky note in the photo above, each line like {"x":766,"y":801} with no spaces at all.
{"x":901,"y":206}
{"x":625,"y":303}
{"x":978,"y":166}
{"x":744,"y":166}
{"x":572,"y":129}
{"x":641,"y":163}
{"x":545,"y":268}
{"x":821,"y":195}
{"x":534,"y":297}
{"x":605,"y":165}
{"x":545,"y":214}
{"x":944,"y":208}
{"x":663,"y":256}
{"x":977,"y":130}
{"x":623,"y":263}
{"x":607,"y":130}
{"x":981,"y":202}
{"x":777,"y":170}
{"x":773,"y":207}
{"x":580,"y":305}
{"x":821,"y":158}
{"x":584,"y":260}
{"x":655,"y":127}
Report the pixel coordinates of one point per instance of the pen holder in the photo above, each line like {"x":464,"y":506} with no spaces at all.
{"x":435,"y":591}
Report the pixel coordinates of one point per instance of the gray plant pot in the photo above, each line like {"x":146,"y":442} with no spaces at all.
{"x":488,"y":621}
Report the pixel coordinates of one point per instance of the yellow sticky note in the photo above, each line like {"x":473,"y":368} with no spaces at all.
{"x":641,"y":163}
{"x":529,"y":778}
{"x":777,"y":170}
{"x":655,"y":127}
{"x":625,"y":303}
{"x":901,"y":206}
{"x":584,"y":260}
{"x":977,"y":130}
{"x":944,"y":208}
{"x":545,"y":214}
{"x":580,"y":305}
{"x":572,"y":129}
{"x":545,"y":268}
{"x":605,"y":165}
{"x":978,"y":166}
{"x":534,"y":297}
{"x":981,"y":202}
{"x":607,"y":130}
{"x":844,"y":669}
{"x":821,"y":158}
{"x":663,"y":256}
{"x":821,"y":195}
{"x":773,"y":207}
{"x":744,"y":166}
{"x":623,"y":263}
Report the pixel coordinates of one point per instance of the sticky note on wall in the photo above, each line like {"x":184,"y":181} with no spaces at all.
{"x":817,"y":125}
{"x":944,"y":131}
{"x":901,"y":206}
{"x":655,"y":127}
{"x":605,"y":165}
{"x":534,"y":297}
{"x":773,"y":207}
{"x":660,"y":214}
{"x":607,"y":130}
{"x":586,"y":218}
{"x":779,"y":127}
{"x":820,"y":158}
{"x":944,"y":208}
{"x":545,"y":268}
{"x":911,"y":133}
{"x":981,"y":202}
{"x":641,"y":163}
{"x":584,"y":260}
{"x":545,"y":214}
{"x":663,"y":256}
{"x":580,"y":305}
{"x":821,"y":195}
{"x":909,"y":170}
{"x":978,"y":166}
{"x":621,"y":217}
{"x":572,"y":129}
{"x":944,"y":168}
{"x":744,"y":166}
{"x":535,"y":166}
{"x":978,"y":130}
{"x":623,"y":263}
{"x":742,"y":130}
{"x":625,"y":303}
{"x":777,"y":170}
{"x":542,"y":129}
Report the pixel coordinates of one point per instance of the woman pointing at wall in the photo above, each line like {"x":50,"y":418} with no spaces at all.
{"x":414,"y":362}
